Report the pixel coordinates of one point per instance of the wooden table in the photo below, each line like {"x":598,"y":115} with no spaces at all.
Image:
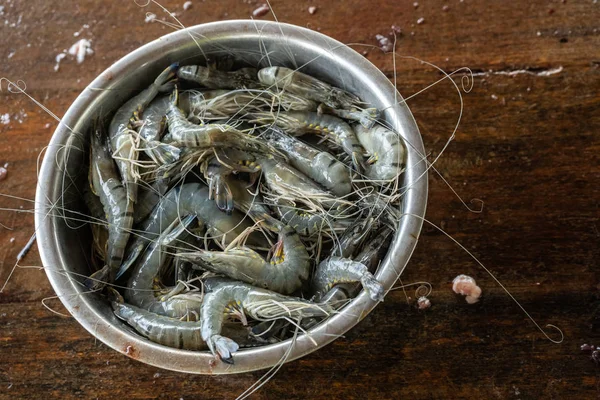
{"x":527,"y":145}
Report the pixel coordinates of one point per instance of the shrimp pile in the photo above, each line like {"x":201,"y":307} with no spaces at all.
{"x":238,"y":204}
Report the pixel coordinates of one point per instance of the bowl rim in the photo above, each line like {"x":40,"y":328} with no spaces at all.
{"x":134,"y":346}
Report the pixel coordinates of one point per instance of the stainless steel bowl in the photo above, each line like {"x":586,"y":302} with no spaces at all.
{"x":65,"y":245}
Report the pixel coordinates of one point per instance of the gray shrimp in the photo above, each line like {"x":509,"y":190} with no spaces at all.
{"x":171,"y":332}
{"x":334,"y":270}
{"x":185,"y":133}
{"x":386,"y":150}
{"x":220,"y":104}
{"x":353,"y":237}
{"x":151,"y":129}
{"x":190,"y":199}
{"x":370,"y":256}
{"x":365,"y":116}
{"x":299,"y":123}
{"x":215,"y":79}
{"x":289,"y":183}
{"x":122,"y":142}
{"x":285,"y":272}
{"x":105,"y":183}
{"x":318,"y":165}
{"x":217,"y":104}
{"x":257,"y":303}
{"x":140,"y":291}
{"x":306,"y":86}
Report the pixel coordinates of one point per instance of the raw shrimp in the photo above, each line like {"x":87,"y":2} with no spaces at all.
{"x":98,"y":222}
{"x":370,"y":256}
{"x":217,"y":104}
{"x":186,"y":133}
{"x":151,"y":129}
{"x":148,"y":199}
{"x":172,"y":332}
{"x":300,"y":122}
{"x":318,"y":165}
{"x":105,"y":182}
{"x":284,"y":273}
{"x":143,"y":278}
{"x":353,"y":237}
{"x":304,"y":222}
{"x":334,"y":270}
{"x":190,"y":198}
{"x":257,"y":303}
{"x":306,"y":86}
{"x":289,"y":183}
{"x":386,"y":150}
{"x":122,"y":142}
{"x":215,"y":79}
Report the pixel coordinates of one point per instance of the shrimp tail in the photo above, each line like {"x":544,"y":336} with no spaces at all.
{"x":373,"y":287}
{"x":133,"y":251}
{"x":167,"y":79}
{"x":223,"y":347}
{"x":96,"y":280}
{"x":114,"y":297}
{"x":222,"y":194}
{"x":174,"y":97}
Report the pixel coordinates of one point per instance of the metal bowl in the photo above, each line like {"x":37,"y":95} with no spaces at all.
{"x":65,"y":244}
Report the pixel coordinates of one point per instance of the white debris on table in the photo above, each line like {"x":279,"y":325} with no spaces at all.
{"x":187,"y":5}
{"x":58,"y":59}
{"x":150,"y":17}
{"x":5,"y":119}
{"x":81,"y":49}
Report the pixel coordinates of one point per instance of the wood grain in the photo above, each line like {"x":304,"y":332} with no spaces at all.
{"x":528,"y":145}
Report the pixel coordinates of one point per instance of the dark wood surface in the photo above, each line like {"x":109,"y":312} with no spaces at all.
{"x":528,"y":145}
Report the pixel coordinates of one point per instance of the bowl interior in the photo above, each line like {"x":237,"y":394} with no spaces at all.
{"x":65,"y":244}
